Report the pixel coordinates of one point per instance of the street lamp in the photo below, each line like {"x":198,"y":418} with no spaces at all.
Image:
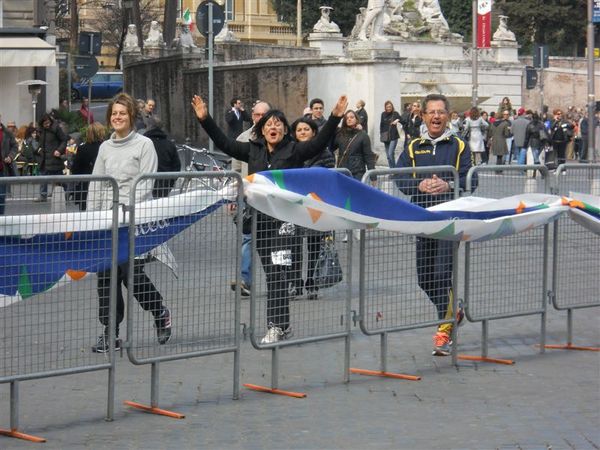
{"x":35,"y":88}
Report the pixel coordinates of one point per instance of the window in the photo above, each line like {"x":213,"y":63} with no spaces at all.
{"x":229,"y":10}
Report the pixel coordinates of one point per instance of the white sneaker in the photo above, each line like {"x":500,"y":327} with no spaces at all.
{"x":274,"y":334}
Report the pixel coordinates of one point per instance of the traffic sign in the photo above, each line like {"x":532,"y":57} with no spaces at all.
{"x":540,"y":57}
{"x":596,"y":12}
{"x":218,"y":17}
{"x":90,"y":43}
{"x":85,"y":66}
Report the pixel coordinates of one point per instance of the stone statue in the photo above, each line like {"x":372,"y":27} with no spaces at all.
{"x":432,"y":14}
{"x":325,"y":25}
{"x":372,"y":25}
{"x":503,"y":33}
{"x":225,"y":35}
{"x":185,"y":41}
{"x":155,"y":37}
{"x":130,"y":44}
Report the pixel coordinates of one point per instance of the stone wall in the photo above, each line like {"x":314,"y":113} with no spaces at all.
{"x":565,"y":84}
{"x":17,"y":13}
{"x":172,"y":81}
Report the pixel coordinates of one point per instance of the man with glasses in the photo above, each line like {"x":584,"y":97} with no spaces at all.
{"x":438,"y":146}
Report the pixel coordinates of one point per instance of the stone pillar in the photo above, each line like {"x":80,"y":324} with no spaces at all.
{"x":329,"y":44}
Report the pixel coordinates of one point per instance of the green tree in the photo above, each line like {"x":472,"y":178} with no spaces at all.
{"x":458,"y":15}
{"x":344,"y":12}
{"x":560,"y":24}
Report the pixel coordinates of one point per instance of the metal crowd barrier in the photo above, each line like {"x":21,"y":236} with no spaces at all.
{"x":390,"y":272}
{"x":575,"y":250}
{"x":48,"y":301}
{"x":517,"y":285}
{"x":187,"y":308}
{"x":282,"y":296}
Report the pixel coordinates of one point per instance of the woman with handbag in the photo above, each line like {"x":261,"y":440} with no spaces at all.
{"x":388,"y":133}
{"x":353,"y":147}
{"x":305,"y":130}
{"x":272,"y":149}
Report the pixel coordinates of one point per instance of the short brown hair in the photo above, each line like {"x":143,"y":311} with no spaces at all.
{"x":96,"y":132}
{"x":128,"y":102}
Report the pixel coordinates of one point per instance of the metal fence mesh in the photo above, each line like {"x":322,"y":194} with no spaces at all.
{"x":576,"y":281}
{"x":189,"y":278}
{"x":48,"y":304}
{"x":505,"y":276}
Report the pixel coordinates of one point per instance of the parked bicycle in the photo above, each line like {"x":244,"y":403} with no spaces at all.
{"x":200,"y":160}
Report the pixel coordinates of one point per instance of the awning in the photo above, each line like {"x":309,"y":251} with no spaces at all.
{"x":26,"y":52}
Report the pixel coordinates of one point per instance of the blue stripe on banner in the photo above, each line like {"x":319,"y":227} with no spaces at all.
{"x":45,"y":258}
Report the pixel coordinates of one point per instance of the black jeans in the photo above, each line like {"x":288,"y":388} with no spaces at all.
{"x":313,"y":243}
{"x":434,"y":271}
{"x":560,"y":149}
{"x":143,"y":290}
{"x":270,"y":243}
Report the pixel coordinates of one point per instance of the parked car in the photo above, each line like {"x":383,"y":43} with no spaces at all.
{"x":104,"y":85}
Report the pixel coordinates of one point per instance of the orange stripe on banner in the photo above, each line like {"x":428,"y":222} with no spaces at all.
{"x":521,"y":207}
{"x":576,"y":204}
{"x":76,"y":274}
{"x":250,"y":178}
{"x":564,"y":201}
{"x":255,"y":387}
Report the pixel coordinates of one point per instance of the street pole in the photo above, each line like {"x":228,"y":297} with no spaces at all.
{"x":299,"y":23}
{"x":210,"y":67}
{"x":591,"y":88}
{"x":474,"y":80}
{"x":541,"y":50}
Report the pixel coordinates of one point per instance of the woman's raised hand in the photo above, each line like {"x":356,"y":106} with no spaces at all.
{"x":340,"y":107}
{"x":199,"y":107}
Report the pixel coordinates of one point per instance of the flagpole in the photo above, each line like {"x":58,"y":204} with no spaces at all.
{"x":474,"y":79}
{"x":299,"y":23}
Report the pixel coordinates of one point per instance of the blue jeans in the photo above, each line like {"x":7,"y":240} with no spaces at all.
{"x":522,"y":159}
{"x":247,"y":259}
{"x":390,"y":149}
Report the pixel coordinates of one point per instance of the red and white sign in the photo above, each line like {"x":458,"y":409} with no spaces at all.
{"x":484,"y":23}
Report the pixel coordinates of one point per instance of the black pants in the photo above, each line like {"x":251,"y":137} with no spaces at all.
{"x":434,"y":271}
{"x":143,"y":290}
{"x":314,"y":243}
{"x":560,"y":149}
{"x":269,"y":243}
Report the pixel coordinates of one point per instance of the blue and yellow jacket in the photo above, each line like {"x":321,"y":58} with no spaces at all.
{"x":449,"y":150}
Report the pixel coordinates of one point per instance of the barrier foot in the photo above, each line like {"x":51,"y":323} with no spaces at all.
{"x":508,"y":362}
{"x":258,"y":388}
{"x":18,"y":435}
{"x":154,"y":410}
{"x":379,"y":373}
{"x":572,"y":347}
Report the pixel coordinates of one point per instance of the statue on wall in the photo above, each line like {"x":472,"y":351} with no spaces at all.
{"x":226,"y":35}
{"x":432,"y":14}
{"x":325,"y":25}
{"x":130,"y":44}
{"x":372,"y":24}
{"x":185,"y":41}
{"x":155,"y":37}
{"x":503,"y":33}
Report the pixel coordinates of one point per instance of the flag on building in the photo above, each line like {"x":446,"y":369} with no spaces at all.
{"x":187,"y":18}
{"x":484,"y":23}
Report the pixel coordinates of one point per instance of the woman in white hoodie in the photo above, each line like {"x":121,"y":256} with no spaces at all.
{"x":124,"y":156}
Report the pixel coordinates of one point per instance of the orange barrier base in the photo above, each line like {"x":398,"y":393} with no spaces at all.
{"x":152,"y":410}
{"x":379,"y":373}
{"x":508,"y":362}
{"x":255,"y":387}
{"x":18,"y":435}
{"x":572,"y":347}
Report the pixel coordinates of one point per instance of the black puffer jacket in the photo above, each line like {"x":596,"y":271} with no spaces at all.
{"x":168,"y":160}
{"x":354,"y":152}
{"x":51,"y":139}
{"x":288,"y":154}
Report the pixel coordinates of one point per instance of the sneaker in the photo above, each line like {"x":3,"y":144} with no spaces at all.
{"x":163,"y":326}
{"x":244,"y":288}
{"x":441,"y":344}
{"x":276,"y":334}
{"x":102,"y":343}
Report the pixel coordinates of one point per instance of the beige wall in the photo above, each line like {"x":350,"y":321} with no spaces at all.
{"x":17,"y":13}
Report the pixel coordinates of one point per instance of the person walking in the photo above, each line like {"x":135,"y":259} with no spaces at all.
{"x":304,"y":130}
{"x":272,"y":149}
{"x":388,"y":133}
{"x":352,"y":147}
{"x":124,"y":156}
{"x":434,"y":257}
{"x":49,"y":156}
{"x":498,"y":134}
{"x":476,"y":128}
{"x":363,"y":117}
{"x":536,"y":137}
{"x":84,"y":160}
{"x":168,"y":158}
{"x":561,"y":133}
{"x":519,"y":130}
{"x":8,"y":152}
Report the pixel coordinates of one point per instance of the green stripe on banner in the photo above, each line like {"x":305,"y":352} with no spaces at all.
{"x":278,"y":178}
{"x":348,"y":205}
{"x":24,"y":284}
